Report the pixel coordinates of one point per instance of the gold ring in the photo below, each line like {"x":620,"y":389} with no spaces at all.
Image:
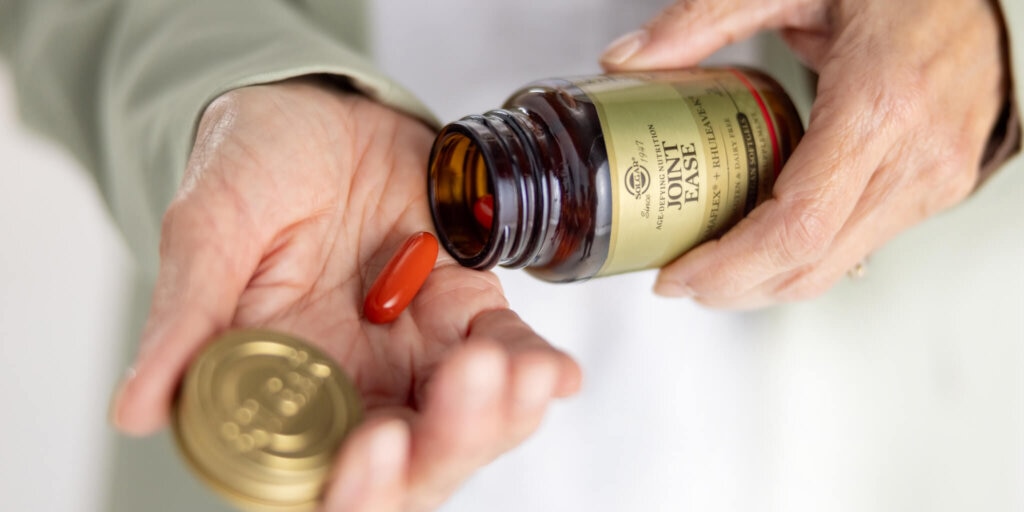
{"x":859,"y":270}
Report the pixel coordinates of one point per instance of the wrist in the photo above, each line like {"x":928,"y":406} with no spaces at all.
{"x":1005,"y":138}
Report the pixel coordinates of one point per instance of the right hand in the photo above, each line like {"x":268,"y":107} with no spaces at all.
{"x":909,"y":92}
{"x":295,"y":196}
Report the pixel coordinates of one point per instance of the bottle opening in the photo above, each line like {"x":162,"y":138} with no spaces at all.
{"x":462,"y":198}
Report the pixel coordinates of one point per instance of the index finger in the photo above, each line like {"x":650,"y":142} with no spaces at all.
{"x":486,"y":398}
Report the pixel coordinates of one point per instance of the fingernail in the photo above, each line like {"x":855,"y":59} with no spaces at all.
{"x":113,"y":410}
{"x":535,"y":388}
{"x":388,"y":449}
{"x":672,"y":289}
{"x":624,"y":47}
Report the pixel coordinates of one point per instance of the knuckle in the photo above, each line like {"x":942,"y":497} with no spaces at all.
{"x":951,"y":179}
{"x":896,"y":108}
{"x":908,"y":102}
{"x":880,"y":101}
{"x":803,"y":236}
{"x":689,"y":12}
{"x":680,"y":9}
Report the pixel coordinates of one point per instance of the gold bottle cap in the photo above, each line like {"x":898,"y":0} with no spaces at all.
{"x":260,"y":416}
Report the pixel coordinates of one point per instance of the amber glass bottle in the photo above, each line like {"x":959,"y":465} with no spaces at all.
{"x":583,"y":177}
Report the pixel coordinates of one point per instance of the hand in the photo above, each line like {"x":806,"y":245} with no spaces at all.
{"x":908,"y":94}
{"x":295,"y":196}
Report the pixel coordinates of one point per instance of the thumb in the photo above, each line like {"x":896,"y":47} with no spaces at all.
{"x":205,"y":263}
{"x":689,"y":31}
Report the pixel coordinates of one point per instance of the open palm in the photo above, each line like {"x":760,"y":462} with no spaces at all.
{"x":295,"y":197}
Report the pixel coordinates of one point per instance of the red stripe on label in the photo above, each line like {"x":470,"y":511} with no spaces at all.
{"x":776,"y":155}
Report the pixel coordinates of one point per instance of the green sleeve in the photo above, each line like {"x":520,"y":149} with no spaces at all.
{"x":122,"y":83}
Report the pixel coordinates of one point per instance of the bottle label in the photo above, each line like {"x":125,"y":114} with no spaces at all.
{"x":689,"y":154}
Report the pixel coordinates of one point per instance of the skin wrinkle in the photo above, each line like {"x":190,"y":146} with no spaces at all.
{"x":320,"y":285}
{"x":814,"y":225}
{"x":804,"y":235}
{"x":379,"y":351}
{"x":384,"y":387}
{"x":959,"y":154}
{"x":365,"y":218}
{"x":807,"y":225}
{"x":886,"y":164}
{"x":288,"y":232}
{"x":276,"y":249}
{"x":372,"y":263}
{"x":417,"y":374}
{"x":807,"y":282}
{"x":337,"y":140}
{"x":199,"y":221}
{"x":399,"y":366}
{"x":461,"y":328}
{"x":333,"y":240}
{"x":682,"y":10}
{"x":232,"y":189}
{"x":877,"y":192}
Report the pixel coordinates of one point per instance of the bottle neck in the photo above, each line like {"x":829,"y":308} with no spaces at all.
{"x":492,"y":160}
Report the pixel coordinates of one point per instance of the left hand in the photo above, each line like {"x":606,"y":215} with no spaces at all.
{"x":908,"y":95}
{"x":295,"y":196}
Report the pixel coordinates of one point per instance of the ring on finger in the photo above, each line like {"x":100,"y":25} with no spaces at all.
{"x":859,"y":270}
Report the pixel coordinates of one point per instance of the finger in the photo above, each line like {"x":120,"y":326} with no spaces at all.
{"x":689,"y":31}
{"x":461,"y":423}
{"x":869,"y":227}
{"x":846,"y":141}
{"x":204,"y":266}
{"x":537,"y":371}
{"x":884,"y":210}
{"x":523,"y":343}
{"x":483,"y":401}
{"x":534,"y":376}
{"x":369,"y":475}
{"x":879,"y":215}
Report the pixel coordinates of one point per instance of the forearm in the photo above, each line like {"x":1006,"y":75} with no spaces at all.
{"x":123,"y":83}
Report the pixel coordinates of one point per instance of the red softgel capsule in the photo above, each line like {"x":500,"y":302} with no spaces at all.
{"x":401,"y":279}
{"x":483,"y":210}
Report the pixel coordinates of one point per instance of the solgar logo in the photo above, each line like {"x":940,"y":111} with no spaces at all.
{"x":638,"y":180}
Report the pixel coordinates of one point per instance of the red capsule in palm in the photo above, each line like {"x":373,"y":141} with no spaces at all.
{"x":401,"y":279}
